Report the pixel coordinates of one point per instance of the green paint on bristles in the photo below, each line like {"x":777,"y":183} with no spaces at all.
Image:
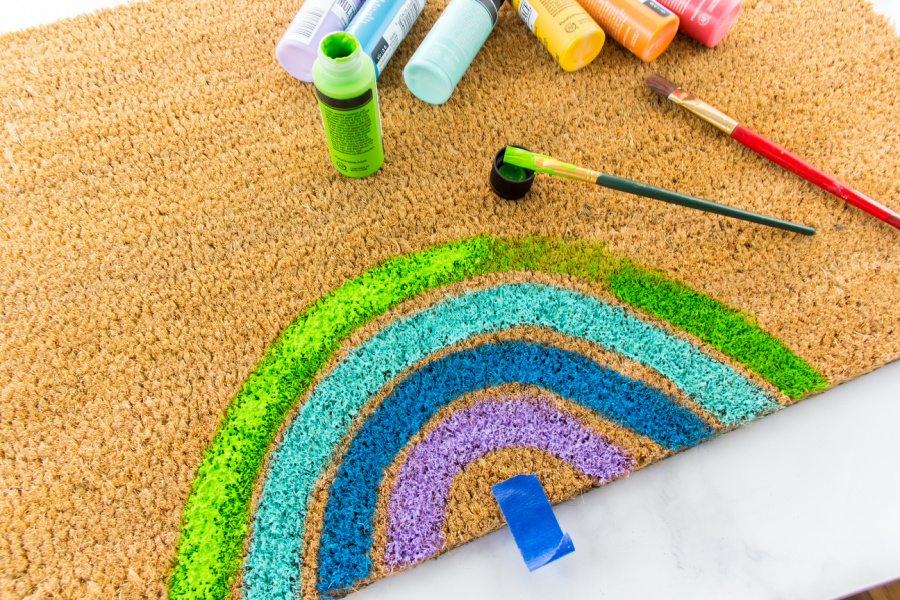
{"x":525,"y":159}
{"x":216,"y":515}
{"x":520,"y":157}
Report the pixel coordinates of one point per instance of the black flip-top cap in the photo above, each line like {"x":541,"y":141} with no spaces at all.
{"x":510,"y":189}
{"x":493,"y":9}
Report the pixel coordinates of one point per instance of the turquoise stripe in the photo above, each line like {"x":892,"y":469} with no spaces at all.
{"x":271,"y":569}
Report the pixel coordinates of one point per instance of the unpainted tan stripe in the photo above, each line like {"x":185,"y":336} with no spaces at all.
{"x":471,"y":509}
{"x":429,"y":298}
{"x":641,"y":450}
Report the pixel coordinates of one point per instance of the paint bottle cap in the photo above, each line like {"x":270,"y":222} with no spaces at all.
{"x":705,"y":22}
{"x":509,"y":181}
{"x":427,"y":81}
{"x":727,"y":17}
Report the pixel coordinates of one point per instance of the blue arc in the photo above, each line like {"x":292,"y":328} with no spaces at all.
{"x":272,"y":565}
{"x":347,"y":527}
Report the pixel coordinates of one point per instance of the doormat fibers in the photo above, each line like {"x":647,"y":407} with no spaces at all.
{"x":169,"y":217}
{"x":405,"y":356}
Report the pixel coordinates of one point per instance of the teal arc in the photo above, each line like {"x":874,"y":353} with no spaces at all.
{"x":271,"y":567}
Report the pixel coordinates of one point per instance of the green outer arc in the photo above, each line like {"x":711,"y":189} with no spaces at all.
{"x":215,"y":518}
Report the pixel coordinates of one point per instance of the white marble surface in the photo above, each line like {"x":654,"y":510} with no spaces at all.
{"x":802,"y":504}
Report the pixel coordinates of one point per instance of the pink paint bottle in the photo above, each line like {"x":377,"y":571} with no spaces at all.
{"x":707,"y":21}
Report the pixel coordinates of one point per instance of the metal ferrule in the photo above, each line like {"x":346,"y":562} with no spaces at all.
{"x":555,"y":167}
{"x":704,"y":110}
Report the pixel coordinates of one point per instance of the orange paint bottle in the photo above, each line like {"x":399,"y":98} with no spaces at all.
{"x":645,"y":27}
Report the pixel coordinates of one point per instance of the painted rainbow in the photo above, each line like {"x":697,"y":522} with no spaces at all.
{"x":335,"y":461}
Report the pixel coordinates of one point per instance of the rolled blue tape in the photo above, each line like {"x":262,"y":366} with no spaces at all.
{"x":530,"y":518}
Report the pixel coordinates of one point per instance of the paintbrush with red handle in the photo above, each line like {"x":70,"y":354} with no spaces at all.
{"x":770,"y":149}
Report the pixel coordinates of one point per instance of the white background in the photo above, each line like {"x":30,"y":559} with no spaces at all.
{"x":802,"y":504}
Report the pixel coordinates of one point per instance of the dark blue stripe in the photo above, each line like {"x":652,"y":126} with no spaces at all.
{"x":347,"y":527}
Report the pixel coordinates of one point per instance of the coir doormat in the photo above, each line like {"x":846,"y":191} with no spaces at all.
{"x":228,"y":370}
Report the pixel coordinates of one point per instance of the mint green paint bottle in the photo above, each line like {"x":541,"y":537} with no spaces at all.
{"x":446,"y":52}
{"x":344,"y":77}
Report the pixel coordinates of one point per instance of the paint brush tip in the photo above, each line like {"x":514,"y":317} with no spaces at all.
{"x":660,"y":84}
{"x":519,"y":157}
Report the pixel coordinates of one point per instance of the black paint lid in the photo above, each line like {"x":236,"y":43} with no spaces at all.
{"x":510,"y":189}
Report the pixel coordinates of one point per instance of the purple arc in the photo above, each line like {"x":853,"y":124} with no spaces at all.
{"x":418,"y":500}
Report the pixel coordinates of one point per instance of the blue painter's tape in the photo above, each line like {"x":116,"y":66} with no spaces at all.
{"x":531,"y":520}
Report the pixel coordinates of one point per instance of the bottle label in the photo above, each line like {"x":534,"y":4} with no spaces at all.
{"x":701,"y":15}
{"x":528,"y":14}
{"x":677,"y":6}
{"x":395,"y":33}
{"x":344,"y":10}
{"x":308,"y":20}
{"x":353,"y":132}
{"x":657,"y":8}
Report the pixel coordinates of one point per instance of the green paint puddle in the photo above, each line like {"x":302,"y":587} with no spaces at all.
{"x":512,"y":172}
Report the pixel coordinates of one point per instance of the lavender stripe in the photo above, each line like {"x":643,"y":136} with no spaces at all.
{"x":418,"y":501}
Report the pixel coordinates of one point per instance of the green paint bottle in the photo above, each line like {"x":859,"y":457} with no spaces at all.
{"x":348,"y":98}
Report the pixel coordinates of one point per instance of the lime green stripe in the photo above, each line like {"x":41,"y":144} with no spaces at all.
{"x":216,"y":515}
{"x":720,"y":326}
{"x":217,"y":511}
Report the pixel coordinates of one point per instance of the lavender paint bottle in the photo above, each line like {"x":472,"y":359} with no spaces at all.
{"x":299,"y":46}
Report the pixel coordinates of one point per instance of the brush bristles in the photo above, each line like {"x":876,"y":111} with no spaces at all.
{"x":519,"y":157}
{"x":660,"y":85}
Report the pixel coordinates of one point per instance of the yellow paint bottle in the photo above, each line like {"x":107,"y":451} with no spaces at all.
{"x":565,"y":29}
